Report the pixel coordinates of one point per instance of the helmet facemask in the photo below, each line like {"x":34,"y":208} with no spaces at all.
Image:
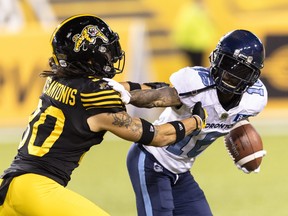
{"x":231,"y":74}
{"x":236,"y":62}
{"x":106,"y":59}
{"x":114,"y":57}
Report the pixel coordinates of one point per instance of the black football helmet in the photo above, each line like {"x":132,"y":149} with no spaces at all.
{"x":85,"y":45}
{"x":236,"y":62}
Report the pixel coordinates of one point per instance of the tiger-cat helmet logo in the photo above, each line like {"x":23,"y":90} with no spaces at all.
{"x":89,"y":34}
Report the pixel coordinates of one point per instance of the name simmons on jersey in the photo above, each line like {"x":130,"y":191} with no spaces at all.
{"x":60,"y":92}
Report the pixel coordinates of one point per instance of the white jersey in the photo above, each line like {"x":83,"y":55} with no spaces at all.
{"x":179,"y":158}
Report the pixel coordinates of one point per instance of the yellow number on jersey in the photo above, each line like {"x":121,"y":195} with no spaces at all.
{"x":52,"y":138}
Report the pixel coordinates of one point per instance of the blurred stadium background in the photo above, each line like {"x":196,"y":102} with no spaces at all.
{"x":145,"y":28}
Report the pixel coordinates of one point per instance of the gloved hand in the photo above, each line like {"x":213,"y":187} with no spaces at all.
{"x":125,"y":95}
{"x":247,"y":171}
{"x":263,"y":153}
{"x":199,"y":111}
{"x":156,"y":85}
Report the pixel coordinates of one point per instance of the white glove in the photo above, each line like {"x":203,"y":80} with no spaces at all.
{"x":125,"y":95}
{"x":246,"y":171}
{"x":262,"y":153}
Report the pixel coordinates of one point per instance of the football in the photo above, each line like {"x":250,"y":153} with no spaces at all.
{"x":245,"y":146}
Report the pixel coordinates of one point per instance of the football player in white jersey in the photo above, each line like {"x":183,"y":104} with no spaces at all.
{"x":230,"y":91}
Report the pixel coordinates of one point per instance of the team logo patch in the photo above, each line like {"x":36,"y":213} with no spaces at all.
{"x":104,"y":85}
{"x":239,"y":117}
{"x":88,"y":35}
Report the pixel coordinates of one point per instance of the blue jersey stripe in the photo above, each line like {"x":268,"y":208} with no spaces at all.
{"x":146,"y":198}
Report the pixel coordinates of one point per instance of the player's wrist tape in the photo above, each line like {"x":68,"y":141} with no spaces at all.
{"x":180,"y":130}
{"x":134,"y":86}
{"x":148,"y":131}
{"x":196,"y":122}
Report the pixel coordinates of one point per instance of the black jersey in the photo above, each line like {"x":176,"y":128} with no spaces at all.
{"x":58,"y":135}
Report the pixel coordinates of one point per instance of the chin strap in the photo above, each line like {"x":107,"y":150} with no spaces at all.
{"x":197,"y":91}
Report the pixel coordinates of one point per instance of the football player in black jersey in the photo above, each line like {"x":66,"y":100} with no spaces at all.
{"x":76,"y":108}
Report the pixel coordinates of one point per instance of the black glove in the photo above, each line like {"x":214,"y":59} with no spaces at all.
{"x":157,"y":85}
{"x":201,"y":112}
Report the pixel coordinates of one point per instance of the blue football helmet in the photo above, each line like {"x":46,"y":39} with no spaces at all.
{"x":236,"y":62}
{"x":85,"y":45}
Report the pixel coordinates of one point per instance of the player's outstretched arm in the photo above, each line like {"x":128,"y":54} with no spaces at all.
{"x":163,"y":97}
{"x":131,"y":86}
{"x":146,"y":95}
{"x":142,"y":131}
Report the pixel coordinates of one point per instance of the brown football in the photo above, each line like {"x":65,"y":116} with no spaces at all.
{"x":245,"y":146}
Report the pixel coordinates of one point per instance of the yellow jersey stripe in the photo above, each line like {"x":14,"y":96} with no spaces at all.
{"x":96,"y":94}
{"x":105,"y":107}
{"x":116,"y":103}
{"x":110,"y":97}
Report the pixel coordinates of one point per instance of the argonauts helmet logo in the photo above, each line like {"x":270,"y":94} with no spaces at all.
{"x":88,"y":35}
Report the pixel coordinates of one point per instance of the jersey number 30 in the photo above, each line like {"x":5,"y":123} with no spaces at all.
{"x":39,"y":146}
